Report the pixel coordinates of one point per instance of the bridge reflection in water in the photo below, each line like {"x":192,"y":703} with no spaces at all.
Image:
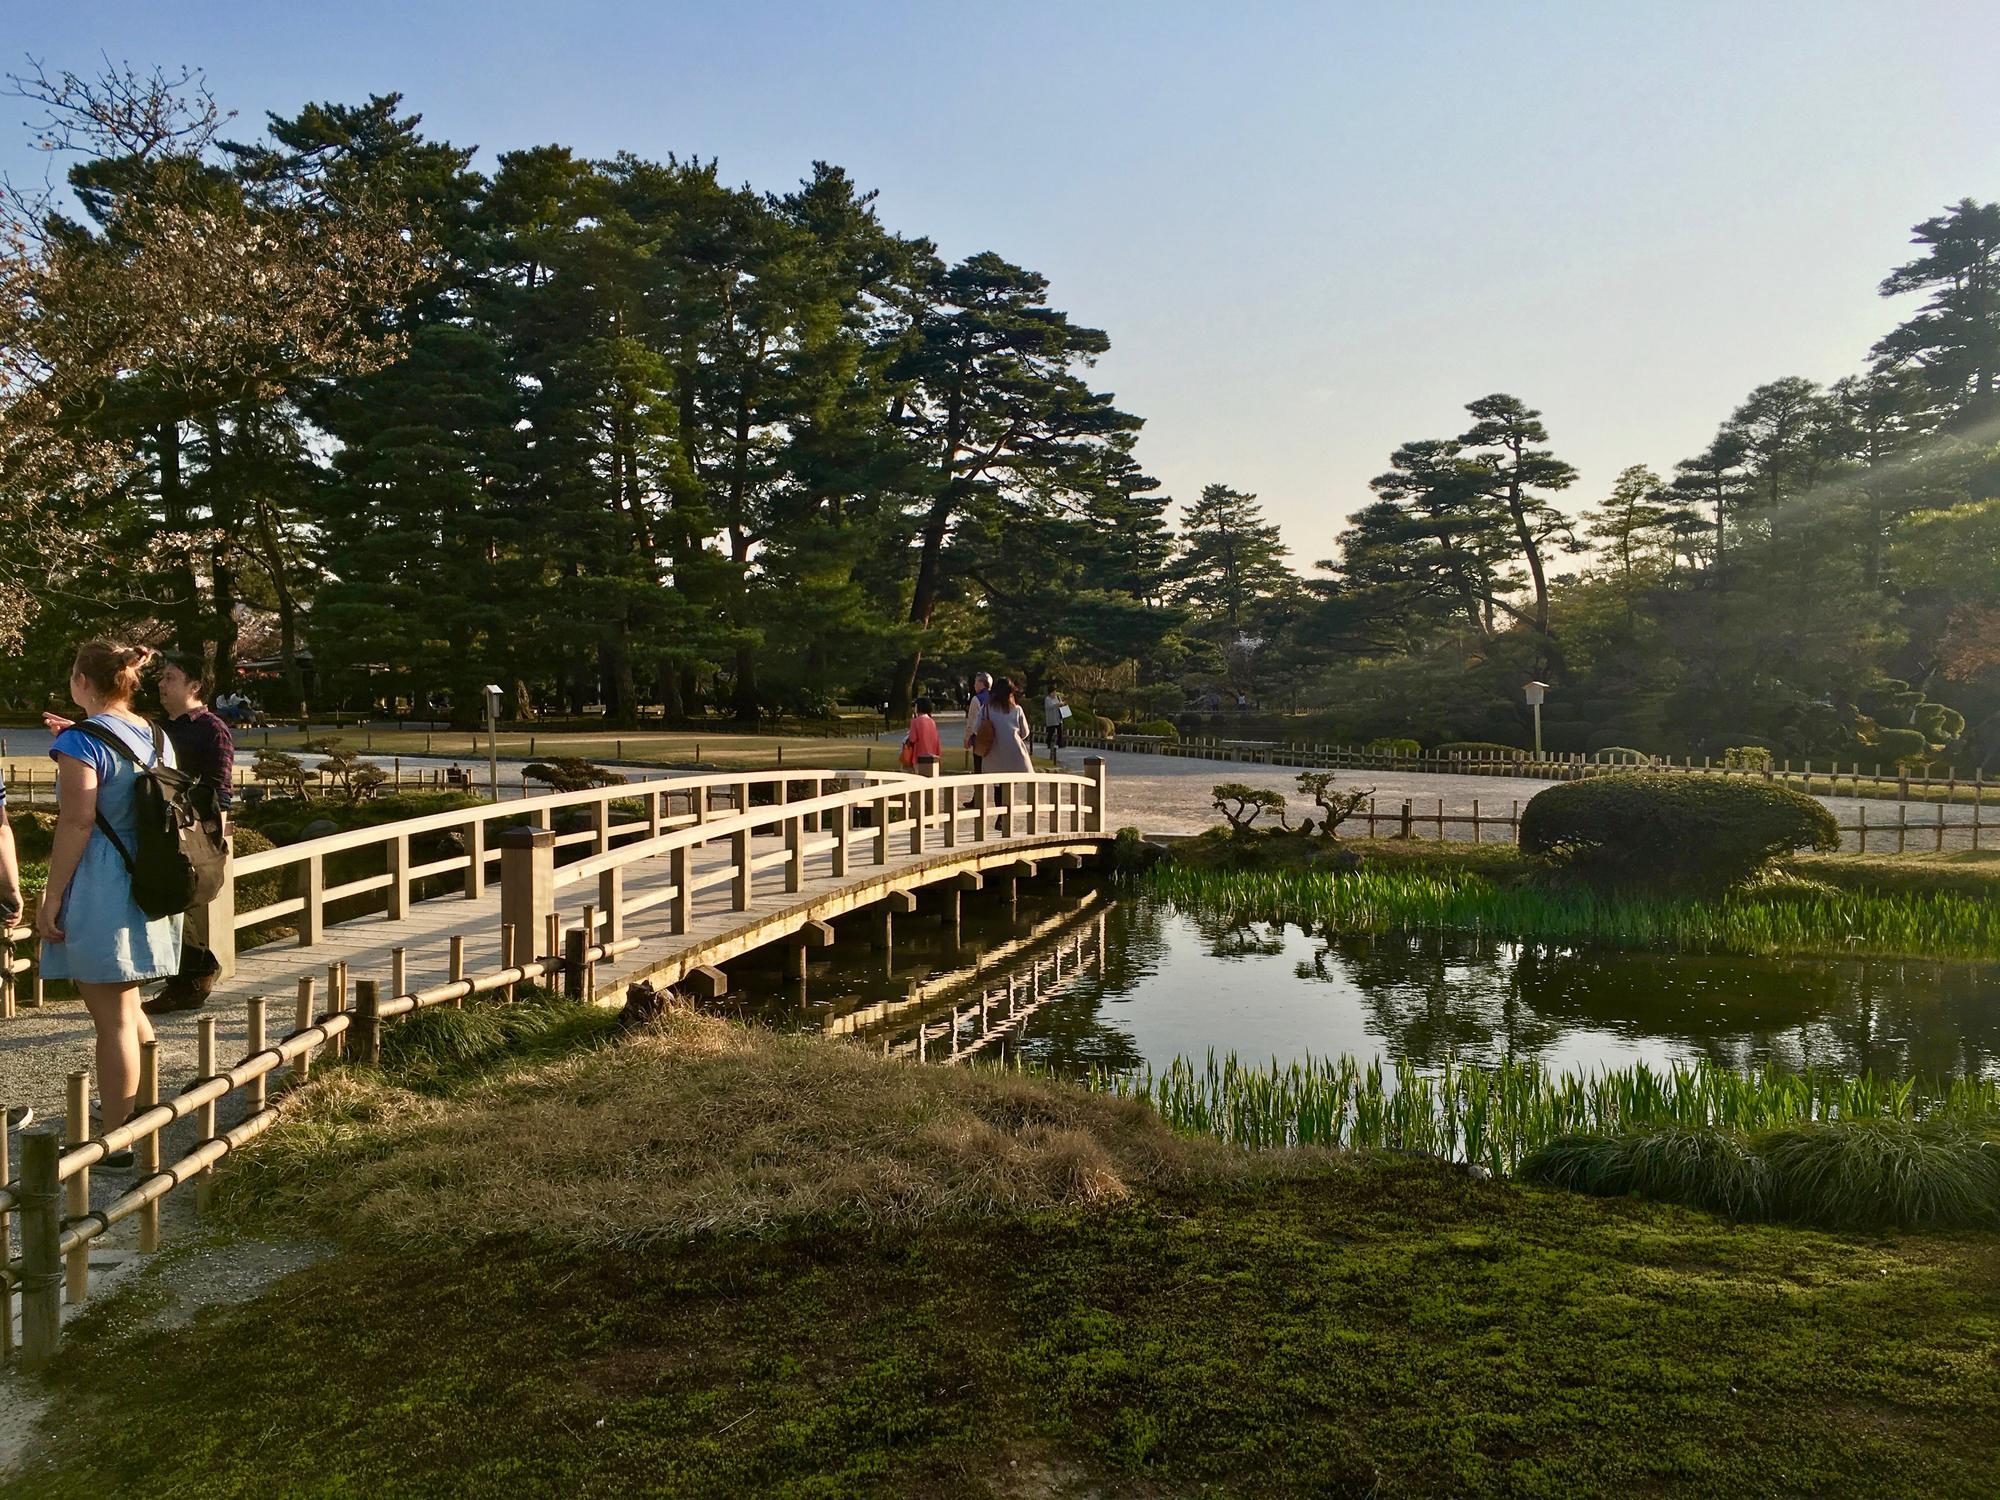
{"x":946,"y":992}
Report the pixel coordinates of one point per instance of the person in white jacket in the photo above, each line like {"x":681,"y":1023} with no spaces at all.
{"x":982,"y":687}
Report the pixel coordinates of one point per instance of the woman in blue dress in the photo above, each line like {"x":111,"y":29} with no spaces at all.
{"x":92,"y":930}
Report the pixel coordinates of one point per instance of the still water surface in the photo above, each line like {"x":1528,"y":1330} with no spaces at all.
{"x":1104,"y":978}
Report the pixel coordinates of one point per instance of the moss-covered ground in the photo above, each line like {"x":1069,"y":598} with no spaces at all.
{"x":991,"y":1285}
{"x":1395,"y":1329}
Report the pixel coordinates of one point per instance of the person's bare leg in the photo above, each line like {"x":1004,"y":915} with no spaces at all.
{"x":114,"y":1011}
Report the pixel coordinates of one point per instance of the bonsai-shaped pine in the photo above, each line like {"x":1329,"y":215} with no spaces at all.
{"x":286,"y":772}
{"x":570,"y":774}
{"x":346,"y":772}
{"x":1243,"y":805}
{"x":1336,"y":806}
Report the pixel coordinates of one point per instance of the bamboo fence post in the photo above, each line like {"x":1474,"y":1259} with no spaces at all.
{"x":41,"y":1253}
{"x":6,"y":1250}
{"x":258,"y":1091}
{"x":367,"y":1027}
{"x":1861,"y":827}
{"x":147,"y":1154}
{"x":1477,"y":832}
{"x":575,"y":945}
{"x":399,"y":972}
{"x":1902,"y":825}
{"x":76,"y":1130}
{"x":336,"y":1002}
{"x":552,"y":936}
{"x":457,"y":974}
{"x":302,"y":1018}
{"x":507,"y":958}
{"x":1940,"y":827}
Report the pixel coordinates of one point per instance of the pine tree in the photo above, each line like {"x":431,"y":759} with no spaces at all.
{"x":1953,"y":343}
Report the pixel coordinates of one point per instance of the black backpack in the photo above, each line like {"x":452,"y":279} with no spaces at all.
{"x":181,"y":849}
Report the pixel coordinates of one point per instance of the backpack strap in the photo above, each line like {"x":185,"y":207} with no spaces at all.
{"x":105,"y":737}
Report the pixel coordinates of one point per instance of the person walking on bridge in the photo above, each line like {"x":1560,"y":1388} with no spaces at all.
{"x":982,"y":689}
{"x":91,"y":927}
{"x":205,"y":749}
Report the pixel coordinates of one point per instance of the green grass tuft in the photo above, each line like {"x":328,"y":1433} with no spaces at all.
{"x":1870,"y":1173}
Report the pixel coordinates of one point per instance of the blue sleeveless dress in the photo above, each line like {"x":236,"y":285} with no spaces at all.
{"x":106,"y":938}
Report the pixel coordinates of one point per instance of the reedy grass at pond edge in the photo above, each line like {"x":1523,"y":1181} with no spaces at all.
{"x":1787,"y":920}
{"x":1495,"y":1116}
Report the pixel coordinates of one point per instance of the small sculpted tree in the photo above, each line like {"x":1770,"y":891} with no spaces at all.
{"x":1242,"y":805}
{"x":1336,"y":805}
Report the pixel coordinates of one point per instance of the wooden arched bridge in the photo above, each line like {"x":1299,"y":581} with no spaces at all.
{"x":326,"y":941}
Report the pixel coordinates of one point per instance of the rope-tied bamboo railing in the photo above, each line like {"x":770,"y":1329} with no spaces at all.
{"x":55,"y":1245}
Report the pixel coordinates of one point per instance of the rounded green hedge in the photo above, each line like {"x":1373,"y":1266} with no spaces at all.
{"x":1657,"y":829}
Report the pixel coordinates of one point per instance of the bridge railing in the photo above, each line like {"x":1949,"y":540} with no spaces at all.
{"x":856,"y":826}
{"x":305,"y":897}
{"x":50,"y":1197}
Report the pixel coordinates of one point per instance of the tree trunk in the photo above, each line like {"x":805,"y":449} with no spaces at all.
{"x":667,"y":683}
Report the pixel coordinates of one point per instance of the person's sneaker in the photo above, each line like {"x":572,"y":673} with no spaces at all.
{"x":175,"y":994}
{"x":20,"y":1117}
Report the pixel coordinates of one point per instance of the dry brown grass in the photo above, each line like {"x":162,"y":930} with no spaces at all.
{"x":699,"y":1126}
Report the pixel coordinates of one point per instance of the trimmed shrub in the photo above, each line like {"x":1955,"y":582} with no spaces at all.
{"x":1622,"y":754}
{"x":1395,"y":747}
{"x":1163,"y":728}
{"x":1657,"y":830}
{"x":1746,"y":758}
{"x":1479,"y":748}
{"x":1900,"y":745}
{"x":570,"y":773}
{"x":253,"y":891}
{"x":1242,"y":804}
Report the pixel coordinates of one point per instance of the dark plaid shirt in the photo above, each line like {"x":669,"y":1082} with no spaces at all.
{"x":203,"y":748}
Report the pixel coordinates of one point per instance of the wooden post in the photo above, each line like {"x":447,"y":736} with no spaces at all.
{"x":399,"y":972}
{"x":611,"y":900}
{"x":146,"y":1154}
{"x":256,"y":1038}
{"x":842,"y":827}
{"x":1902,"y":825}
{"x":741,"y":876}
{"x":881,"y":810}
{"x":302,"y":1017}
{"x":509,"y":939}
{"x":41,"y":1246}
{"x":1862,"y":826}
{"x":795,"y":854}
{"x":222,"y":921}
{"x":1477,"y":832}
{"x":600,"y":826}
{"x":399,"y":877}
{"x":681,"y":910}
{"x":367,"y":1028}
{"x":1100,"y":793}
{"x":473,"y":836}
{"x":76,"y":1123}
{"x":312,"y":919}
{"x":527,"y":887}
{"x":574,"y":945}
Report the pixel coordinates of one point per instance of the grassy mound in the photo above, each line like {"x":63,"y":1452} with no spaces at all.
{"x":696,"y":1127}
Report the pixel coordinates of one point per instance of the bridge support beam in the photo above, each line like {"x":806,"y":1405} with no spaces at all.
{"x":896,"y":903}
{"x":812,"y":935}
{"x":704,"y":983}
{"x":527,"y":886}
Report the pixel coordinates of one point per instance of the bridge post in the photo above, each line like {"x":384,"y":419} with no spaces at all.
{"x":527,"y":886}
{"x":1095,"y":769}
{"x":399,"y":877}
{"x":221,"y":927}
{"x":611,"y":897}
{"x":795,"y":853}
{"x":682,"y":908}
{"x":313,"y":888}
{"x":842,"y":825}
{"x":739,"y":851}
{"x":473,"y":836}
{"x":881,"y":808}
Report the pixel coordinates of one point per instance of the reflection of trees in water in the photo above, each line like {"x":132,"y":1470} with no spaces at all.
{"x":1433,"y":995}
{"x":1226,"y":937}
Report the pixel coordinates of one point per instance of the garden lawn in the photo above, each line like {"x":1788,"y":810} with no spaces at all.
{"x":713,"y":1262}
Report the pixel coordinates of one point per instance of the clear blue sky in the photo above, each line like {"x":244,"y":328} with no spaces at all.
{"x":1312,"y":230}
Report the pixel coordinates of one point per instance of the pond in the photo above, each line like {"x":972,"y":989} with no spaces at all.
{"x":1101,"y":978}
